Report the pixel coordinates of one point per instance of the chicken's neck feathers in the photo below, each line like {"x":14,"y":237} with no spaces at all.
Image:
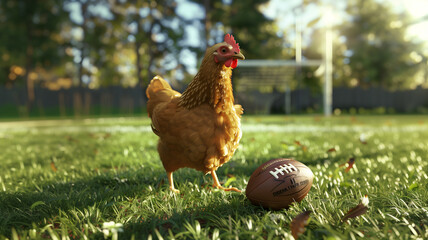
{"x":212,"y":85}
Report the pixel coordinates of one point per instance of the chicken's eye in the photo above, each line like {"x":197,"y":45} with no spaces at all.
{"x":223,"y":50}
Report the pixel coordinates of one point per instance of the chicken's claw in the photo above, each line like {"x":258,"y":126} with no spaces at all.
{"x":174,"y":190}
{"x":171,"y":183}
{"x":227,"y":189}
{"x":218,"y":185}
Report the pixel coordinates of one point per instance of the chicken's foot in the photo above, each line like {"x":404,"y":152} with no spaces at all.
{"x":171,"y":183}
{"x":218,"y":185}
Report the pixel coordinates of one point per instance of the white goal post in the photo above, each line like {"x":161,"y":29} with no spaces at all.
{"x":280,"y":73}
{"x":325,"y":65}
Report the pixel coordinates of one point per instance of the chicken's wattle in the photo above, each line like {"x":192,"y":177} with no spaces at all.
{"x":231,"y":63}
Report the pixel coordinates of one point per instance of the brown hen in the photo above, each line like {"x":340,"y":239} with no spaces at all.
{"x":200,"y":128}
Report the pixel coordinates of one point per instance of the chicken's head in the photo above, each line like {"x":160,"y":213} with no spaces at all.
{"x":228,"y":52}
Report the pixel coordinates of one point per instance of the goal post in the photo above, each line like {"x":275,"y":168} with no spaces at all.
{"x":283,"y":79}
{"x":260,"y":75}
{"x":267,"y":77}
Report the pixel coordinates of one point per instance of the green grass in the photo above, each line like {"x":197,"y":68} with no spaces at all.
{"x":64,"y":179}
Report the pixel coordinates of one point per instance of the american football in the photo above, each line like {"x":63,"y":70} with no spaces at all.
{"x":278,"y":183}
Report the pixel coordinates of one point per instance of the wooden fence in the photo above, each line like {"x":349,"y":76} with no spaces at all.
{"x":402,"y":101}
{"x":73,"y":102}
{"x":129,"y":101}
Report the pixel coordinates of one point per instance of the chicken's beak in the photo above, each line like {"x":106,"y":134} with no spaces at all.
{"x":238,"y":56}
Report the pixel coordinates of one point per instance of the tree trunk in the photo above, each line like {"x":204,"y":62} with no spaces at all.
{"x":138,"y":44}
{"x":138,"y":64}
{"x":80,"y":72}
{"x":140,"y":91}
{"x":29,"y":67}
{"x":150,"y":47}
{"x":151,"y":60}
{"x":207,"y":21}
{"x":29,"y":81}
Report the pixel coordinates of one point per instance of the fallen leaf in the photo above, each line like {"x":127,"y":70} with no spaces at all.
{"x":304,"y":148}
{"x":299,"y":223}
{"x":358,"y":210}
{"x":350,"y":164}
{"x":53,"y":167}
{"x":331,"y":150}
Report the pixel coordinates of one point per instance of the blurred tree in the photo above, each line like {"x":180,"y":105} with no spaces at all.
{"x":379,"y":53}
{"x":213,"y":10}
{"x":258,"y":36}
{"x":30,"y":38}
{"x":93,"y":42}
{"x":155,"y":30}
{"x":95,"y":38}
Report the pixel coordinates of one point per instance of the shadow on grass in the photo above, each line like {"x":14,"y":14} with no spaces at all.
{"x":103,"y":193}
{"x":46,"y":203}
{"x":208,"y":216}
{"x":39,"y":206}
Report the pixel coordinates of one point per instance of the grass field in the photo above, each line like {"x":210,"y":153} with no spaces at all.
{"x":67,"y":179}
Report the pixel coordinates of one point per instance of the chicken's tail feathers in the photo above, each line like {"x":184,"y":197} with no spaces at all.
{"x":157,"y":84}
{"x":159,"y":91}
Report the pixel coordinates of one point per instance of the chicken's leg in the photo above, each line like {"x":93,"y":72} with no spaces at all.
{"x":171,"y":183}
{"x":218,"y":185}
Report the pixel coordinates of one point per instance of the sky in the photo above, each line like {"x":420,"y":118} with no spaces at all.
{"x":418,"y":9}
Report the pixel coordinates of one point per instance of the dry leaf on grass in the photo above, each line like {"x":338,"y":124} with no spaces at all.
{"x":358,"y":210}
{"x":53,"y":167}
{"x":349,"y":164}
{"x":299,"y":223}
{"x":303,"y":147}
{"x":331,"y":150}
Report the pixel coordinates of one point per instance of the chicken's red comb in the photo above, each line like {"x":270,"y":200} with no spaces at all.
{"x":229,"y":39}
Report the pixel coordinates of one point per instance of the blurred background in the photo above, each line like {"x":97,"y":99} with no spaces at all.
{"x":63,"y":58}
